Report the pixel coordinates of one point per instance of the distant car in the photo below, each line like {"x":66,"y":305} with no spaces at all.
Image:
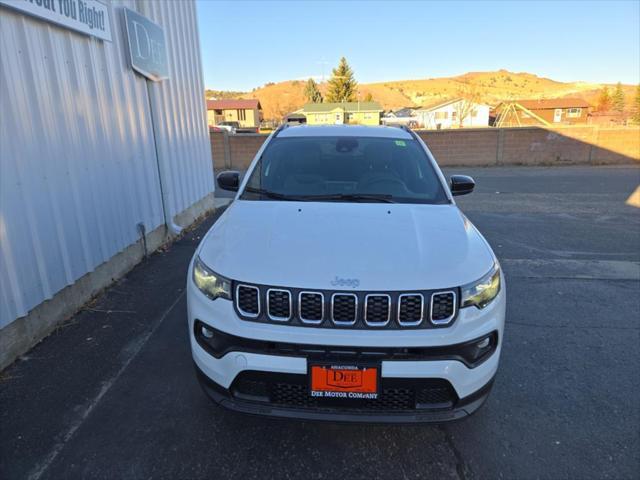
{"x":230,"y":127}
{"x":248,"y":130}
{"x":343,"y":283}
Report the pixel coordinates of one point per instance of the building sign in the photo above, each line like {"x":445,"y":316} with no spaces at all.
{"x":147,"y":47}
{"x":85,"y":16}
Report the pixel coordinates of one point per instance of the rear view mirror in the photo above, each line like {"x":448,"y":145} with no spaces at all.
{"x":461,"y":185}
{"x":229,"y":180}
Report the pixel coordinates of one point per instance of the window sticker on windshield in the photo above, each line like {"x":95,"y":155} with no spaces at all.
{"x":400,"y":143}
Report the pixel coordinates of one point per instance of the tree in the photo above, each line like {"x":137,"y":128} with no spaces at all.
{"x":636,"y":106}
{"x":368,"y":97}
{"x":470,"y":96}
{"x":342,"y":85}
{"x":312,"y":92}
{"x":604,"y":100}
{"x":618,"y":98}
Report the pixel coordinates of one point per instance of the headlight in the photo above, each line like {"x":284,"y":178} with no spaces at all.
{"x":482,"y":292}
{"x":210,"y":283}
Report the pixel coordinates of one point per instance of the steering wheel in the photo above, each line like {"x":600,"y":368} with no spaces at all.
{"x":388,"y":181}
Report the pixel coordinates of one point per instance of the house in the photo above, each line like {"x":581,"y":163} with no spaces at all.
{"x":248,"y":113}
{"x":547,"y":112}
{"x":454,"y":113}
{"x":361,"y":113}
{"x":404,"y":116}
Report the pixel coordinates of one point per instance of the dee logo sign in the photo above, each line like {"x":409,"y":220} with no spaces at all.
{"x":147,"y":47}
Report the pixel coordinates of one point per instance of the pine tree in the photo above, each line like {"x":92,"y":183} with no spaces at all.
{"x":312,"y":92}
{"x":604,"y":100}
{"x":342,"y":85}
{"x":618,"y":98}
{"x":368,"y":97}
{"x":636,"y":106}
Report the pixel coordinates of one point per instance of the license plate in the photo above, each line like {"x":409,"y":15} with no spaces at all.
{"x":344,"y":381}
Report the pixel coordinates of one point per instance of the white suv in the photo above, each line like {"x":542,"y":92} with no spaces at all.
{"x":343,"y":283}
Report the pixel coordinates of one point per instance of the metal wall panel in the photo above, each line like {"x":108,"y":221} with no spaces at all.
{"x":78,"y":165}
{"x":178,"y":108}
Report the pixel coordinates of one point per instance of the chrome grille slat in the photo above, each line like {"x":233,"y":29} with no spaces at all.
{"x":311,"y":307}
{"x":410,"y":309}
{"x":377,"y":309}
{"x":443,"y":307}
{"x":279,"y":306}
{"x":344,"y":308}
{"x":248,"y":300}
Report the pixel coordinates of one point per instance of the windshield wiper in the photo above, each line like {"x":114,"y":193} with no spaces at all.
{"x":270,"y":194}
{"x":353,"y":197}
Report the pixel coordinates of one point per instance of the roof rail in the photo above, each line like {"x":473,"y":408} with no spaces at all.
{"x":409,"y":131}
{"x":279,"y":129}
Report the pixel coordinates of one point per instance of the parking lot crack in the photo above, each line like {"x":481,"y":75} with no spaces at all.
{"x":462,"y":469}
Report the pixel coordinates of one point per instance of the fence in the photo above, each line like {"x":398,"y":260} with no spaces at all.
{"x":584,"y":145}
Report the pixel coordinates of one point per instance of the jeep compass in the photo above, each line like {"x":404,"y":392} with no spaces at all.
{"x":343,"y":283}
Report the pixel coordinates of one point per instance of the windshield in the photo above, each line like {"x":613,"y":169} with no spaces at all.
{"x":364,"y":169}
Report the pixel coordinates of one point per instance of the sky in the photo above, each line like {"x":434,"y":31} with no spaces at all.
{"x":247,"y":44}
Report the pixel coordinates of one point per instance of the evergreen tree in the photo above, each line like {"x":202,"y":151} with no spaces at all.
{"x":368,"y":97}
{"x":618,"y":98}
{"x":604,"y":100}
{"x":312,"y":92}
{"x":636,"y":106}
{"x":342,"y":85}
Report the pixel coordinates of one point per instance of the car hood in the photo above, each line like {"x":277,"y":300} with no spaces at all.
{"x":343,"y":246}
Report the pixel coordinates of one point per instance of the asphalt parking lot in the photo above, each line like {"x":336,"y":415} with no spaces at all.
{"x":112,"y":393}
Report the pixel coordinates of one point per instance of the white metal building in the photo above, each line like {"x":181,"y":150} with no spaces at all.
{"x":90,"y":150}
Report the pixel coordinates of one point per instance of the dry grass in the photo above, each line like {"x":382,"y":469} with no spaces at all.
{"x":278,"y":99}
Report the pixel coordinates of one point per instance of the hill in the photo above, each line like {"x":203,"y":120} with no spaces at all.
{"x":278,"y":99}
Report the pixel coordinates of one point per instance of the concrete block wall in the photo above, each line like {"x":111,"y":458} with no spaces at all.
{"x":583,"y":145}
{"x":475,"y":147}
{"x":616,"y":145}
{"x":244,"y":147}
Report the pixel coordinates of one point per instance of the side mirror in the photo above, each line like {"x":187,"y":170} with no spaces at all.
{"x":461,"y":185}
{"x":229,"y":180}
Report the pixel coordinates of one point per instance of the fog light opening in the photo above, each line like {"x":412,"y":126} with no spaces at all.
{"x":206,"y":332}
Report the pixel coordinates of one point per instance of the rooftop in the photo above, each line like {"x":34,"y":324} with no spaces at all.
{"x":444,"y":103}
{"x":344,"y":131}
{"x":347,"y":106}
{"x":553,"y":103}
{"x":241,"y":104}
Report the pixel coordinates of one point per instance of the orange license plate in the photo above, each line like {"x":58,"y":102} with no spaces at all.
{"x":344,"y":381}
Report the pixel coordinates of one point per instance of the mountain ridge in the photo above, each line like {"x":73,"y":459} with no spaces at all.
{"x":490,"y":87}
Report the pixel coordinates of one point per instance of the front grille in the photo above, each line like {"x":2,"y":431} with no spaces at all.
{"x":311,"y":307}
{"x":248,"y":300}
{"x":292,"y":391}
{"x":278,"y":304}
{"x":443,"y":306}
{"x":377,"y":310}
{"x":344,"y":308}
{"x":410,"y":309}
{"x":338,"y":309}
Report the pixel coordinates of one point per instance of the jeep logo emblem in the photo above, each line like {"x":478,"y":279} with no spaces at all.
{"x":345,"y":282}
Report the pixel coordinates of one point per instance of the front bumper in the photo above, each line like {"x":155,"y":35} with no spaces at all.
{"x":470,"y":385}
{"x":356,"y":413}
